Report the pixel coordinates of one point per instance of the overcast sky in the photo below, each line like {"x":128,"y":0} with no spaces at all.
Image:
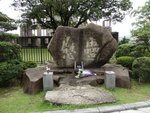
{"x":123,"y":28}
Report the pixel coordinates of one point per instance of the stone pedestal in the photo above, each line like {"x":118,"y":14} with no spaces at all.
{"x":110,"y":79}
{"x":33,"y":78}
{"x":48,"y":83}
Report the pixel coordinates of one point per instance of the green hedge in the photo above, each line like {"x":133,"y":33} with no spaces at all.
{"x":141,"y":50}
{"x":12,"y":70}
{"x":8,"y":37}
{"x":133,"y":50}
{"x":125,"y":61}
{"x":9,"y":71}
{"x":141,"y":69}
{"x":125,"y":50}
{"x":9,"y":51}
{"x":28,"y":64}
{"x":11,"y":65}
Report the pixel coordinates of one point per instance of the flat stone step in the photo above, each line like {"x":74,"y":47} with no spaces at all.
{"x":84,"y":94}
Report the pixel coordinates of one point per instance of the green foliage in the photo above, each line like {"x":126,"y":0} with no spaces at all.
{"x":125,"y":50}
{"x":133,"y":50}
{"x":28,"y":64}
{"x":141,"y":50}
{"x":125,"y":61}
{"x":11,"y":66}
{"x":142,"y":32}
{"x":7,"y":36}
{"x":143,"y":35}
{"x":53,"y":13}
{"x":6,"y":23}
{"x":113,"y":59}
{"x":142,"y":26}
{"x":141,"y":69}
{"x":14,"y":96}
{"x":124,"y":41}
{"x":9,"y":51}
{"x":142,"y":14}
{"x":10,"y":70}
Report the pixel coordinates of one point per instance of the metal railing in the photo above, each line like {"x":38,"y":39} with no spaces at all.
{"x":35,"y":48}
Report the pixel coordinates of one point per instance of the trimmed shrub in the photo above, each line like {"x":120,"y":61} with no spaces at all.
{"x":141,"y":50}
{"x":8,"y":37}
{"x":28,"y":64}
{"x":9,"y":51}
{"x":133,"y":50}
{"x":125,"y":61}
{"x":125,"y":50}
{"x":10,"y":70}
{"x":141,"y":69}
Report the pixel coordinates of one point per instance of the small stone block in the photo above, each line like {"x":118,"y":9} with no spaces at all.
{"x":110,"y":79}
{"x":48,"y":82}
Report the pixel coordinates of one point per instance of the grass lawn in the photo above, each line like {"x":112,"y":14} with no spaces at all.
{"x":13,"y":100}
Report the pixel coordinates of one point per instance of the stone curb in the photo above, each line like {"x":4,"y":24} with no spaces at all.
{"x":105,"y":109}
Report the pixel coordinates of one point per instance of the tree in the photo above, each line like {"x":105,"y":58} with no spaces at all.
{"x":53,"y":13}
{"x":124,"y":40}
{"x":6,"y":23}
{"x":143,"y":14}
{"x":142,"y":27}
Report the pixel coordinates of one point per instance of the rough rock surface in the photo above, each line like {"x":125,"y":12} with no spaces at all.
{"x":33,"y":80}
{"x":33,"y":77}
{"x":86,"y":94}
{"x":94,"y":45}
{"x":91,"y":80}
{"x":122,"y":74}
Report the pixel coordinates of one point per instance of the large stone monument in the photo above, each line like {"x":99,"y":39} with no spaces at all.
{"x":93,"y":44}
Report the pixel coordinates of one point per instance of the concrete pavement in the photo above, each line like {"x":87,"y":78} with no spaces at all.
{"x":140,"y":110}
{"x":138,"y":107}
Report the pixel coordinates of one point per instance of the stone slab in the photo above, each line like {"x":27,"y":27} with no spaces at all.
{"x":91,"y":80}
{"x":148,"y":102}
{"x":135,"y":105}
{"x":86,"y":94}
{"x":111,"y":108}
{"x":131,"y":111}
{"x":88,"y":110}
{"x":33,"y":77}
{"x":146,"y":110}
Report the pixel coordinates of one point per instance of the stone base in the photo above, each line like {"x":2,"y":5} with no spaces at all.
{"x":32,"y":78}
{"x":85,"y":94}
{"x":122,"y":74}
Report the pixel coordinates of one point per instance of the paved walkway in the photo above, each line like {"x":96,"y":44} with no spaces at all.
{"x":140,"y":110}
{"x":138,"y":107}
